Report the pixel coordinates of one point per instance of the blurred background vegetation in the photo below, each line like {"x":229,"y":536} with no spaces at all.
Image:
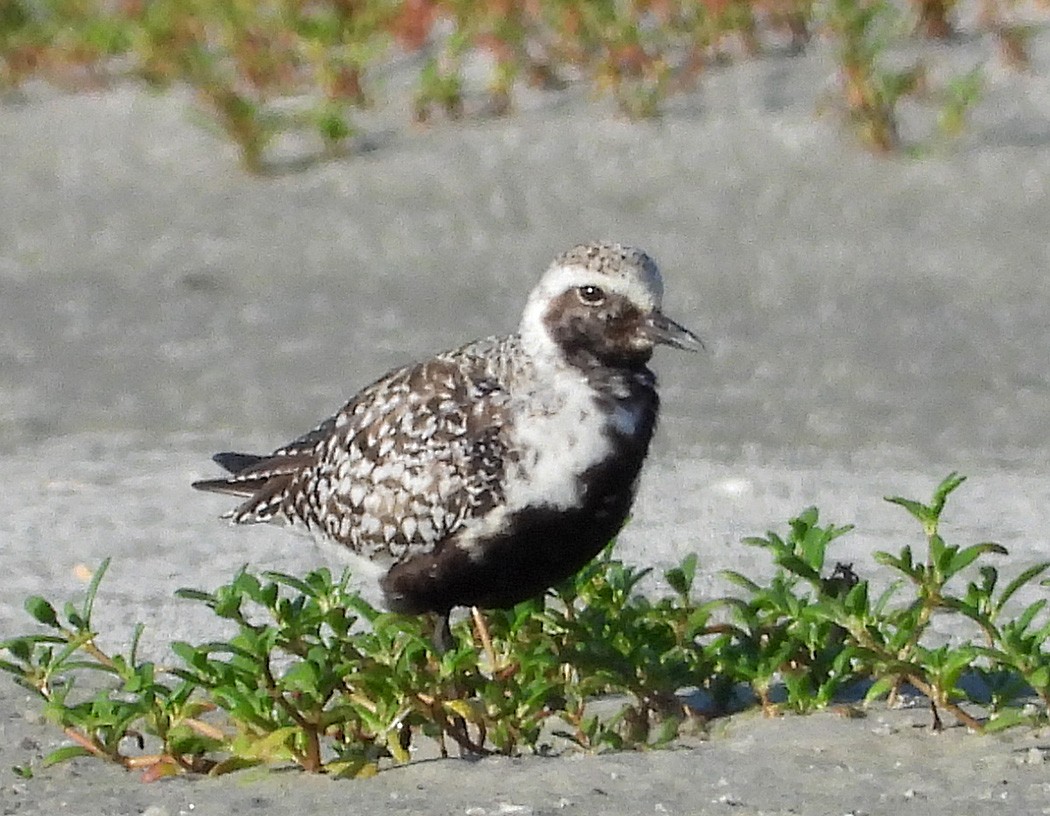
{"x":261,"y":67}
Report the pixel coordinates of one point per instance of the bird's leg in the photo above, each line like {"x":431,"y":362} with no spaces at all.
{"x":481,"y":627}
{"x":442,"y":638}
{"x":443,"y":643}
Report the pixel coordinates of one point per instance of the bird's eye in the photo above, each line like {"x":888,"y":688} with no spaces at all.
{"x":591,"y":295}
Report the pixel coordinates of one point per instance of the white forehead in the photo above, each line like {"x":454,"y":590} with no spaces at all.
{"x":622,"y":270}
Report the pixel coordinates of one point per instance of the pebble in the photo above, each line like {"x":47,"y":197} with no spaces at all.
{"x":1033,"y":756}
{"x":508,"y":808}
{"x":503,"y":809}
{"x":33,"y":716}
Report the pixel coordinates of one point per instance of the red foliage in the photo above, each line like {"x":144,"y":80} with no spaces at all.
{"x":413,"y":22}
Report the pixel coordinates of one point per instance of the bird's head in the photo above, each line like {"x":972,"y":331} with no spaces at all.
{"x":601,"y":302}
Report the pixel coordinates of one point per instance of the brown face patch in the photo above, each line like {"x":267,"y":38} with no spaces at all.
{"x":611,"y":332}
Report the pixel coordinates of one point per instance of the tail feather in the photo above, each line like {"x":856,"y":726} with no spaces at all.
{"x":263,"y":480}
{"x":236,"y":462}
{"x":229,"y":486}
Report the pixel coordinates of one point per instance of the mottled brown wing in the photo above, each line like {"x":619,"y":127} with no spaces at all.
{"x":400,"y":468}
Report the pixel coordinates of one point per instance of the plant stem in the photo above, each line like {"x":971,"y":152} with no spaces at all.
{"x":311,"y":759}
{"x":938,"y":699}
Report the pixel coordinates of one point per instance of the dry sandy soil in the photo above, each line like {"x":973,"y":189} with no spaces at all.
{"x":871,"y":325}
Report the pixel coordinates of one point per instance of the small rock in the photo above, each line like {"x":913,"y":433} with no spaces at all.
{"x":734,"y":486}
{"x":883,"y":729}
{"x":155,"y":810}
{"x":32,"y":716}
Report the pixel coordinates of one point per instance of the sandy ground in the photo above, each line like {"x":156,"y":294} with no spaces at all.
{"x":870,"y":324}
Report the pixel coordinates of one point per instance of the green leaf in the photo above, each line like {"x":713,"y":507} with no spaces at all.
{"x":135,"y":638}
{"x":332,"y":124}
{"x":680,"y":578}
{"x":902,"y":563}
{"x":942,"y":491}
{"x":666,"y":731}
{"x":234,"y":763}
{"x":22,"y":771}
{"x":189,"y":594}
{"x":76,"y":620}
{"x":940,"y":553}
{"x":227,"y":603}
{"x":267,"y":747}
{"x":357,"y":768}
{"x":919,"y":510}
{"x":880,"y":688}
{"x":962,"y":559}
{"x":772,"y":541}
{"x":1005,"y":718}
{"x":1025,"y":577}
{"x":796,"y":566}
{"x":244,"y":583}
{"x":963,"y":608}
{"x":989,"y":578}
{"x":12,"y":668}
{"x":42,"y":611}
{"x":1025,"y":619}
{"x":302,"y":676}
{"x":269,"y":594}
{"x":741,"y":580}
{"x":20,"y":649}
{"x":292,"y":581}
{"x":66,"y":753}
{"x":856,"y":600}
{"x":1040,"y":678}
{"x":92,"y":590}
{"x":184,"y":650}
{"x":363,"y":608}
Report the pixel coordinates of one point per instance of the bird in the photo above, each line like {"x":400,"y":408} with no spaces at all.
{"x":485,"y":475}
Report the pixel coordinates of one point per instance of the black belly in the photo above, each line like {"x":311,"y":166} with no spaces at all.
{"x":541,"y":547}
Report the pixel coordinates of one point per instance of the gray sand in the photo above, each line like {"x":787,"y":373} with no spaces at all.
{"x":870,"y":324}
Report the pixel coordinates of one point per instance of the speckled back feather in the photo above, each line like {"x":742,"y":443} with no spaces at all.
{"x":401,"y":466}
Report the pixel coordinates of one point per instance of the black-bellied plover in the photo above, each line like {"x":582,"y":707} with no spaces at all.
{"x":485,"y":475}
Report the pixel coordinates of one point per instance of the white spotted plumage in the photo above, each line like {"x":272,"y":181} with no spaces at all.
{"x":508,"y":439}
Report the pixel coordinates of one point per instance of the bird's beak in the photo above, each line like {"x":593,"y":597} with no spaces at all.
{"x":661,"y":329}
